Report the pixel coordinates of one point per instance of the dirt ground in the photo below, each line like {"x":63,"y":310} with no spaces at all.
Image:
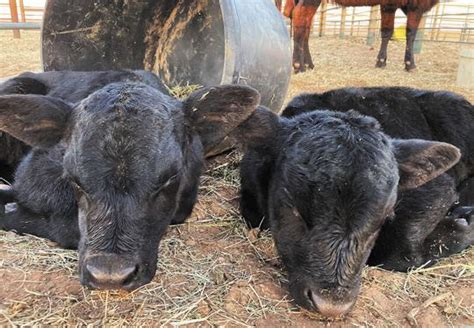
{"x":212,"y":270}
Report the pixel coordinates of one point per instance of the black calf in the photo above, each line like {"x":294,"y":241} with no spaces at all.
{"x":335,"y":189}
{"x":109,"y":173}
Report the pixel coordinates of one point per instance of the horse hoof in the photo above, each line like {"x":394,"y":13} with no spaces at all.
{"x":300,"y":69}
{"x":409,"y":67}
{"x":381,"y":64}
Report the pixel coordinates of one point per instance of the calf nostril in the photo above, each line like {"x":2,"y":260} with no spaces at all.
{"x":328,"y":308}
{"x":131,"y":276}
{"x":112,"y":277}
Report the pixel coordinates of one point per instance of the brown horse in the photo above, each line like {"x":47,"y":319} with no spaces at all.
{"x":302,"y":12}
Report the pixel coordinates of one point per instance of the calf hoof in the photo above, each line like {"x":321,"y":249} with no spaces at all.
{"x":6,"y":196}
{"x":178,"y":220}
{"x":462,"y":216}
{"x":381,"y":63}
{"x":460,"y":233}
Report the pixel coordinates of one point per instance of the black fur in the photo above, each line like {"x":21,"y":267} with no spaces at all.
{"x":109,"y":173}
{"x":325,"y":182}
{"x":65,"y":85}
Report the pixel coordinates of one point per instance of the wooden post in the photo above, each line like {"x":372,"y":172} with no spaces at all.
{"x":352,"y":20}
{"x":14,"y":15}
{"x":372,"y":25}
{"x":322,"y":18}
{"x":438,"y":29}
{"x":22,"y":11}
{"x":464,"y":36}
{"x":342,"y":28}
{"x":434,"y":24}
{"x":419,"y":35}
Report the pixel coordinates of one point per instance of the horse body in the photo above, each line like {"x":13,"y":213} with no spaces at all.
{"x":302,"y":13}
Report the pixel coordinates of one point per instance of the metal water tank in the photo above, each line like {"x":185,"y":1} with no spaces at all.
{"x":202,"y":42}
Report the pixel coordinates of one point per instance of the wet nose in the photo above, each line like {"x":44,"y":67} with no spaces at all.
{"x":329,"y":308}
{"x":107,"y":272}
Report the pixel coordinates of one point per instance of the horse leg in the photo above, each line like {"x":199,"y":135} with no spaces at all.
{"x":298,"y":49}
{"x":388,"y":20}
{"x":413,"y":21}
{"x":308,"y":61}
{"x":302,"y":18}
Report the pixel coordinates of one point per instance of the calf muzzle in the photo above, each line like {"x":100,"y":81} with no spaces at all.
{"x":329,"y":308}
{"x":111,"y":271}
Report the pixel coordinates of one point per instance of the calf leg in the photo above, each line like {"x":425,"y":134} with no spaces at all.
{"x":408,"y":240}
{"x":255,"y":174}
{"x":453,"y":234}
{"x":413,"y":21}
{"x":7,"y":195}
{"x":388,"y":20}
{"x":250,"y":208}
{"x":64,"y":231}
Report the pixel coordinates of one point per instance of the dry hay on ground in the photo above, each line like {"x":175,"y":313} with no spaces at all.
{"x":212,"y":271}
{"x":351,"y":63}
{"x":19,"y":55}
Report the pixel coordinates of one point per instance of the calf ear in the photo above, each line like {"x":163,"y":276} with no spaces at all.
{"x":420,"y":161}
{"x":259,"y":130}
{"x":214,"y":112}
{"x":39,"y":121}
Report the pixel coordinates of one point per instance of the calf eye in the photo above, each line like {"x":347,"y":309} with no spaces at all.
{"x":78,"y":189}
{"x":170,"y":184}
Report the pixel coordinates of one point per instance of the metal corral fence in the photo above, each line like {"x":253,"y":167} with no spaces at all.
{"x":21,"y":14}
{"x":451,"y":21}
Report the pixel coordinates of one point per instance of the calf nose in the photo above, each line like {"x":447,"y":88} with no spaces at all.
{"x":110,"y":273}
{"x":330,"y":309}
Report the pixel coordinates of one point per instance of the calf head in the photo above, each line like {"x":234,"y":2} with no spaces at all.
{"x":334,"y":183}
{"x":131,"y":155}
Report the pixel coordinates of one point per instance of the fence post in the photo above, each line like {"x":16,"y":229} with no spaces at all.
{"x":419,"y":35}
{"x":372,"y":25}
{"x":322,"y":18}
{"x":352,"y":20}
{"x":14,"y":15}
{"x":22,"y":11}
{"x":438,"y":29}
{"x":342,"y":28}
{"x":464,"y":36}
{"x":434,"y":23}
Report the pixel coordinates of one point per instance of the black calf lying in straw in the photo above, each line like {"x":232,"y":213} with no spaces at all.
{"x":337,"y":191}
{"x":109,"y":173}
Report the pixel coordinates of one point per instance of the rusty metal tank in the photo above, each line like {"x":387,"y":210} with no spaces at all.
{"x":204,"y":42}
